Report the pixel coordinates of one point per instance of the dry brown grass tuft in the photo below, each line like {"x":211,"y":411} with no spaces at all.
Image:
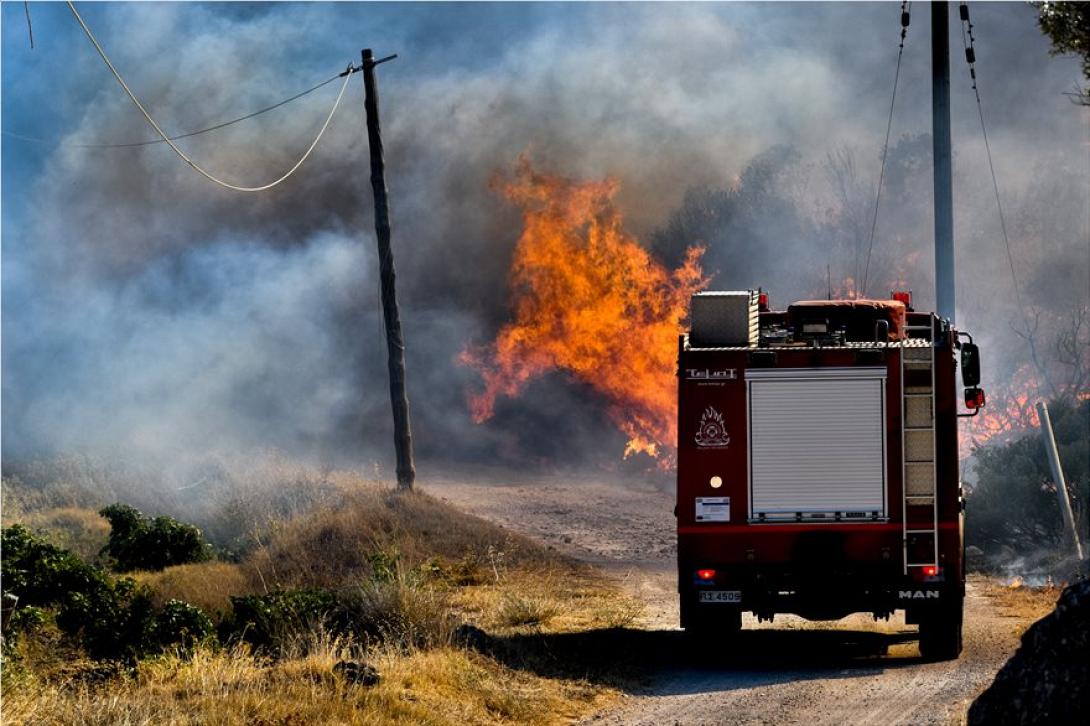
{"x":517,"y":609}
{"x":208,"y":585}
{"x":440,"y":686}
{"x":331,"y":547}
{"x":1019,"y":600}
{"x":77,"y":529}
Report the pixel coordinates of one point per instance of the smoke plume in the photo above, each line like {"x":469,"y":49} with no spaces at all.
{"x":148,"y":312}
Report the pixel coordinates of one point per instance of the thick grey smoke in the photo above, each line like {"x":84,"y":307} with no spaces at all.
{"x":148,"y":312}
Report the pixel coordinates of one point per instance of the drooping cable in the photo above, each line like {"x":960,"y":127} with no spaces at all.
{"x":188,"y":134}
{"x":29,"y":25}
{"x":905,"y":18}
{"x":970,"y":57}
{"x":170,"y":142}
{"x":218,"y":125}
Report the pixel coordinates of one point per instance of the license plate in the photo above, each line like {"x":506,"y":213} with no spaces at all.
{"x":720,"y":596}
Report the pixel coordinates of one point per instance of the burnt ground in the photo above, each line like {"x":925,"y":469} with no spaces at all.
{"x":852,"y":670}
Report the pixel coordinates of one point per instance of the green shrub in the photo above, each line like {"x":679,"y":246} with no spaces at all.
{"x":139,"y":543}
{"x":41,"y":573}
{"x":183,"y":626}
{"x":24,"y":620}
{"x":112,"y":618}
{"x":401,"y":611}
{"x":271,"y":619}
{"x":114,"y":621}
{"x":1013,"y":511}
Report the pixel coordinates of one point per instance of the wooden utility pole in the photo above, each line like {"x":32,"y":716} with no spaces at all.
{"x":395,"y":344}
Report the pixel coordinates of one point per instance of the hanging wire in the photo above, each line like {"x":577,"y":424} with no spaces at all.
{"x":968,"y":40}
{"x":151,"y":142}
{"x":179,"y":152}
{"x":905,"y":17}
{"x":29,"y":27}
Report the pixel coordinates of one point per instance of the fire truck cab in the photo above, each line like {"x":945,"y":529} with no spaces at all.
{"x":818,"y":464}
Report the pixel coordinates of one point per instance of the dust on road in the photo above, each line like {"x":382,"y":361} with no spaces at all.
{"x":852,"y":670}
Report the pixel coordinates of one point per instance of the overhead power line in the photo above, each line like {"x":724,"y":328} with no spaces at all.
{"x":905,"y":18}
{"x":188,"y":134}
{"x":169,"y":142}
{"x":29,"y":26}
{"x":968,"y":41}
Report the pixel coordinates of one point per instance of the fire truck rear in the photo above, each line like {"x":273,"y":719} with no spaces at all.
{"x":818,"y":464}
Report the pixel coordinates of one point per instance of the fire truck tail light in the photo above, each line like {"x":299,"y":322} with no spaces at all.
{"x":931,"y":571}
{"x":705,"y":575}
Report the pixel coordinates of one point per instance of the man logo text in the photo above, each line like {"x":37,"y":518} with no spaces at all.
{"x":918,"y":594}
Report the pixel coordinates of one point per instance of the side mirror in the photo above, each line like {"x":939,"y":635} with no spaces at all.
{"x":970,"y":366}
{"x":974,"y":398}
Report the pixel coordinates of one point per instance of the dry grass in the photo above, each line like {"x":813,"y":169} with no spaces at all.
{"x":519,"y":609}
{"x":77,"y":529}
{"x":337,"y":545}
{"x":439,"y":686}
{"x":208,"y":585}
{"x":1019,"y":600}
{"x":413,"y":567}
{"x":230,"y":497}
{"x":558,"y":598}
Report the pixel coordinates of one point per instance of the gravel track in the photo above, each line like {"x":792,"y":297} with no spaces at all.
{"x":852,"y":670}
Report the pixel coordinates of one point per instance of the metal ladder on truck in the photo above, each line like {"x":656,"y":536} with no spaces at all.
{"x":920,"y":520}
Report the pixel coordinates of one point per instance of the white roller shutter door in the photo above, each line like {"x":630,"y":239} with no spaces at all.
{"x":817,"y":443}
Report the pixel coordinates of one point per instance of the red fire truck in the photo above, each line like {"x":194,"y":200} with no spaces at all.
{"x":818,"y":464}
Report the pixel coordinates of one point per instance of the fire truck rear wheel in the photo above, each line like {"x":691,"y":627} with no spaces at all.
{"x":940,"y":636}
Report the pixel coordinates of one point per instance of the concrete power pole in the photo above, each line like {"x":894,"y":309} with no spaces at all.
{"x":943,"y":166}
{"x":395,"y":344}
{"x":1058,"y":478}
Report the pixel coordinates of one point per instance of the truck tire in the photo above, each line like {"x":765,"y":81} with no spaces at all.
{"x":940,"y":635}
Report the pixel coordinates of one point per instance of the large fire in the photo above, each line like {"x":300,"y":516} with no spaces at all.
{"x":590,"y":301}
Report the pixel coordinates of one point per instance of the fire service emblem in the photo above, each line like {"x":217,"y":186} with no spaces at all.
{"x":712,"y":431}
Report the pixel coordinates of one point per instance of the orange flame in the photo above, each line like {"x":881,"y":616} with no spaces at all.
{"x":1010,"y":411}
{"x":846,"y":290}
{"x":589,"y":300}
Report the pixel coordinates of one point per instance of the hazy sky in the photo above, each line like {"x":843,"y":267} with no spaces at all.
{"x":146,"y":309}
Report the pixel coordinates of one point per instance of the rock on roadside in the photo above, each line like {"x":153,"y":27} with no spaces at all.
{"x":1047,"y":680}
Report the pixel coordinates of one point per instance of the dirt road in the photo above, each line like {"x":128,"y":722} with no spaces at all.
{"x":848,"y":671}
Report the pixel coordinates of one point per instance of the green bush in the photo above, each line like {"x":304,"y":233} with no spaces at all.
{"x":394,"y":605}
{"x":183,"y":626}
{"x":112,"y":618}
{"x":113,"y":622}
{"x":139,"y":543}
{"x":41,"y":573}
{"x":1013,"y":509}
{"x":270,"y":619}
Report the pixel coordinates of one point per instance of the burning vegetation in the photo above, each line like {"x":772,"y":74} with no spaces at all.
{"x":588,"y":300}
{"x":1010,"y":412}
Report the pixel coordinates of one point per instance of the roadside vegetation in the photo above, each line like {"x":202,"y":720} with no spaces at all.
{"x":340,"y":602}
{"x":1013,"y":521}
